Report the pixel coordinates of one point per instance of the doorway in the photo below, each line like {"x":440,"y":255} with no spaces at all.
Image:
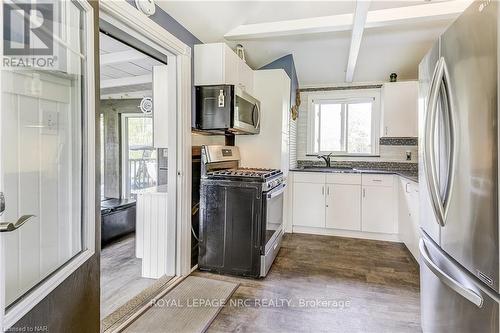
{"x":132,"y":179}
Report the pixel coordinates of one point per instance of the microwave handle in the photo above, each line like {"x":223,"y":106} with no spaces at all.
{"x":256,"y":107}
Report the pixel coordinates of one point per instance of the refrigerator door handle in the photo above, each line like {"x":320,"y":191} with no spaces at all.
{"x":449,"y":120}
{"x":440,"y":82}
{"x":428,"y":146}
{"x":467,"y":293}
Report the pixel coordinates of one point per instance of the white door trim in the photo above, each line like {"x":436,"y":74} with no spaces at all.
{"x":28,"y":301}
{"x":125,"y":17}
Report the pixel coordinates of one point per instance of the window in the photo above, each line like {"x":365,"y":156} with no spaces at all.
{"x":344,"y":122}
{"x":140,"y":161}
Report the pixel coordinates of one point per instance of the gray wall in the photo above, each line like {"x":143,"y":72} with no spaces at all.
{"x":74,"y":305}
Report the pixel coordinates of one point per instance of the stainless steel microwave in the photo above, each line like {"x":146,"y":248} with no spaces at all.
{"x":226,"y":108}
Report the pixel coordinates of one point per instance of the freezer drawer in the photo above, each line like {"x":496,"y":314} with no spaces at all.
{"x":452,"y":300}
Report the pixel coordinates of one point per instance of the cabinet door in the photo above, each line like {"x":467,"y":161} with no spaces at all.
{"x":209,"y":64}
{"x":285,"y":95}
{"x":245,"y":77}
{"x":400,"y":109}
{"x":413,"y":205}
{"x":309,"y":205}
{"x":378,"y":210}
{"x":343,"y":206}
{"x":404,"y":223}
{"x":231,"y":66}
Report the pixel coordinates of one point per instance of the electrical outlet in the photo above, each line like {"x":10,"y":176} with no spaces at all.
{"x":408,"y":155}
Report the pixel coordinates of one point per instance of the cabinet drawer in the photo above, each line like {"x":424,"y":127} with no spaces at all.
{"x":309,"y":177}
{"x":343,"y":178}
{"x":378,"y":180}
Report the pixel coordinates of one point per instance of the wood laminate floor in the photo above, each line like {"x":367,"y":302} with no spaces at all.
{"x":377,"y":283}
{"x":121,"y":278}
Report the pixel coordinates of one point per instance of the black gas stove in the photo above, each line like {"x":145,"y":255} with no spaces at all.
{"x":261,"y":174}
{"x":241,"y":214}
{"x":269,"y":177}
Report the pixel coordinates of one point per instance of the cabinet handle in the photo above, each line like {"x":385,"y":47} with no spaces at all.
{"x":328,"y":190}
{"x":364,"y":193}
{"x":406,"y":188}
{"x":322,"y":190}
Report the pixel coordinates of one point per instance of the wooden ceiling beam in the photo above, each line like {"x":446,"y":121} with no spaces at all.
{"x":433,"y":11}
{"x":358,"y":26}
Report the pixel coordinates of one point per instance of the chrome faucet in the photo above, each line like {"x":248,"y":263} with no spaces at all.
{"x":326,"y":158}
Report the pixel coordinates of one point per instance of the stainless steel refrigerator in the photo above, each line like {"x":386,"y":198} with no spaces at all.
{"x":458,"y":161}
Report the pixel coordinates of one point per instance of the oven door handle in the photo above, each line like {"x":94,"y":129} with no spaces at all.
{"x":275,"y":192}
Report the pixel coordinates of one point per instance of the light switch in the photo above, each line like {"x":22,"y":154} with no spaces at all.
{"x":50,"y":122}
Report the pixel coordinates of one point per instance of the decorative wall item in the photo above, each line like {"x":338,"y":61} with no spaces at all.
{"x":146,"y":105}
{"x":295,"y":108}
{"x":148,"y":7}
{"x":295,"y":112}
{"x":240,"y":51}
{"x":393,"y":77}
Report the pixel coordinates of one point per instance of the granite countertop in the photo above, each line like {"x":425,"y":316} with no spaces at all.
{"x":410,"y":175}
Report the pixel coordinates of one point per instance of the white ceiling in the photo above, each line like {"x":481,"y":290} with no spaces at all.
{"x":320,"y":58}
{"x":116,"y":77}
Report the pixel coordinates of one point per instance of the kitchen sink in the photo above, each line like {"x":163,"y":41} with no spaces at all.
{"x":329,"y":169}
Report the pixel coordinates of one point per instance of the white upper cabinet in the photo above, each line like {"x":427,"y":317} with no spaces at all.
{"x":269,"y":148}
{"x":245,"y":76}
{"x":217,"y":63}
{"x":399,"y":109}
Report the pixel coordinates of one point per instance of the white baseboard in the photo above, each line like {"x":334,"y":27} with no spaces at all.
{"x":346,"y":233}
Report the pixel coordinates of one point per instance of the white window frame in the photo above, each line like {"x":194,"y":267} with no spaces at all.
{"x":40,"y":291}
{"x":124,"y":146}
{"x":340,"y":96}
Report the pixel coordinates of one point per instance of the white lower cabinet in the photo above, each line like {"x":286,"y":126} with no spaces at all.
{"x":378,"y":210}
{"x":364,"y":205}
{"x":309,"y":204}
{"x":343,"y":206}
{"x":409,"y":230}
